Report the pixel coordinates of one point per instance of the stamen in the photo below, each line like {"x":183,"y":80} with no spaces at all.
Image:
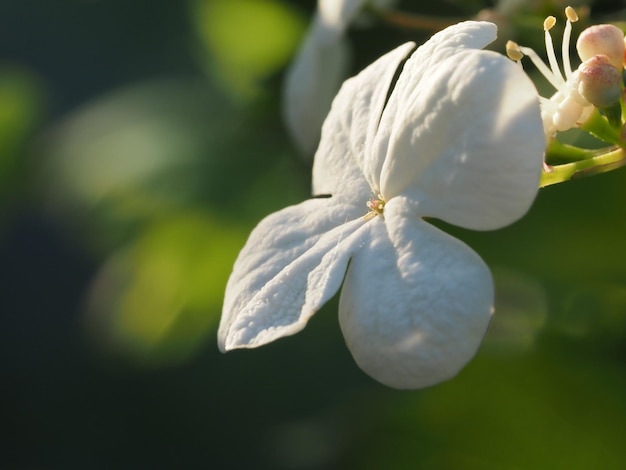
{"x":572,"y":17}
{"x":376,"y":207}
{"x":548,"y":24}
{"x":542,"y":67}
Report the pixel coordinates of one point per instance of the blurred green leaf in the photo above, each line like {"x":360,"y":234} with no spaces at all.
{"x":560,"y":406}
{"x":20,"y":111}
{"x":159,"y":300}
{"x":520,"y":313}
{"x":543,"y":411}
{"x":248,"y":39}
{"x":146,"y":151}
{"x":128,"y":147}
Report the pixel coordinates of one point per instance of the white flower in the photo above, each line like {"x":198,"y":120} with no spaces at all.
{"x":596,"y":82}
{"x":459,"y":139}
{"x":319,"y":68}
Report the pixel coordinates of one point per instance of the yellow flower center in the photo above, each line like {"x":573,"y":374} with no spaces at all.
{"x":376,"y":207}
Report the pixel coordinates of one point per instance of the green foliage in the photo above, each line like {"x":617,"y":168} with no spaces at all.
{"x":20,"y":109}
{"x":158,"y":300}
{"x":248,"y":40}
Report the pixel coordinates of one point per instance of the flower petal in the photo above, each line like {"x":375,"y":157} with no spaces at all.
{"x":415,"y":302}
{"x":293,"y":262}
{"x":467,"y":142}
{"x":424,"y":61}
{"x":337,"y":14}
{"x":311,"y":83}
{"x":320,"y":66}
{"x":342,"y":163}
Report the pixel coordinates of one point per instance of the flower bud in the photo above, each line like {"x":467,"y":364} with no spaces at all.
{"x":604,"y":39}
{"x":600,"y":82}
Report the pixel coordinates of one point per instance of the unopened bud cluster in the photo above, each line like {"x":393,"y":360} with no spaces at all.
{"x":600,"y":82}
{"x":601,"y":48}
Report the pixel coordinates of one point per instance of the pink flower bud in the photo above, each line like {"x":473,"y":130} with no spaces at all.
{"x":602,"y":39}
{"x":600,"y":82}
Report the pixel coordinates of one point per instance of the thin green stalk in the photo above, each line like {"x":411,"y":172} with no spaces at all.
{"x":600,"y":163}
{"x":558,"y":152}
{"x":416,"y":21}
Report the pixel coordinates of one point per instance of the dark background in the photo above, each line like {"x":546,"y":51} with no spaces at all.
{"x":138,"y":147}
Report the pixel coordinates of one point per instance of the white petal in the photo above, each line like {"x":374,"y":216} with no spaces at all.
{"x":342,"y":162}
{"x":293,"y":262}
{"x":467,"y":143}
{"x":424,"y":61}
{"x":311,"y":83}
{"x":415,"y":303}
{"x":337,"y":14}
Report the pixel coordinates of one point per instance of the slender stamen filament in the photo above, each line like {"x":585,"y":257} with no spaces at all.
{"x":541,"y":66}
{"x":553,"y":72}
{"x":548,"y":24}
{"x":567,"y":67}
{"x":572,"y":17}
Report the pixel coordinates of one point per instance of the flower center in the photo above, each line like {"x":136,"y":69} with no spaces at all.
{"x":376,"y":207}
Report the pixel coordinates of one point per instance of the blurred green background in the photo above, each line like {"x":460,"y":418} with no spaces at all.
{"x":140,"y":142}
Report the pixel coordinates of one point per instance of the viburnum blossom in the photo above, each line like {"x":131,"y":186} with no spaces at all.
{"x":458,"y":137}
{"x":596,"y":83}
{"x":319,"y":68}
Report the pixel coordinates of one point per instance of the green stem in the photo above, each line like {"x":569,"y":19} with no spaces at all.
{"x":600,"y":163}
{"x":415,"y":21}
{"x":600,"y":128}
{"x":558,"y":152}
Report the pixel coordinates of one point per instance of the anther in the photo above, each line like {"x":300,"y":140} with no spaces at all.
{"x":571,"y":14}
{"x":513,"y":51}
{"x":549,"y":23}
